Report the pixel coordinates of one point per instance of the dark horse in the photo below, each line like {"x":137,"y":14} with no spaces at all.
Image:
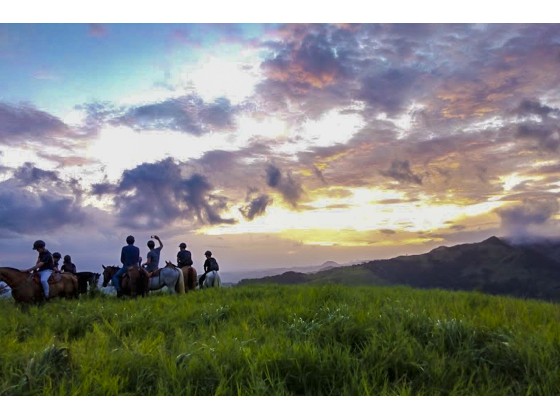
{"x":133,"y":283}
{"x":85,"y":279}
{"x":26,"y":288}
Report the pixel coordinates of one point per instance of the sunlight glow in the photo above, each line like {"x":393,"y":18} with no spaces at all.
{"x":334,"y":127}
{"x":363,"y":211}
{"x":222,"y":76}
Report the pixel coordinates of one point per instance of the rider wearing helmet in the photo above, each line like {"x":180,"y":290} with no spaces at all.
{"x":152,"y":259}
{"x":210,"y":267}
{"x":44,"y":265}
{"x":184,"y":257}
{"x":68,"y":266}
{"x":130,"y":255}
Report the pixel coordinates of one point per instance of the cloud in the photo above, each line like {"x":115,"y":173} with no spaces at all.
{"x":257,"y":205}
{"x":158,"y":194}
{"x":400,"y":170}
{"x":389,"y":90}
{"x":535,"y":107}
{"x":188,"y":114}
{"x":26,"y":123}
{"x":529,"y":217}
{"x":308,"y":62}
{"x":290,"y":188}
{"x":547,"y":137}
{"x":39,"y":201}
{"x":273,"y":176}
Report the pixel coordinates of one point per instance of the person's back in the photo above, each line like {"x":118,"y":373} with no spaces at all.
{"x":184,"y":258}
{"x":130,"y":255}
{"x":68,"y":266}
{"x":153,"y":258}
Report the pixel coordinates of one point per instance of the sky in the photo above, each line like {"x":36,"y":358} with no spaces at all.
{"x":274,"y":144}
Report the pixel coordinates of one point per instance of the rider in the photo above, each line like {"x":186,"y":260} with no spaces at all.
{"x":152,"y":259}
{"x":56,"y":259}
{"x":210,"y":265}
{"x":184,"y":257}
{"x":44,"y":265}
{"x":130,"y":256}
{"x":68,"y":266}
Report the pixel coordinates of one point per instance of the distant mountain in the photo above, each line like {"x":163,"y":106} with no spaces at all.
{"x":494,"y":266}
{"x":235,"y":276}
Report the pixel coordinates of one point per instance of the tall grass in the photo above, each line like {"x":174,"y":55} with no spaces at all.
{"x":274,"y":340}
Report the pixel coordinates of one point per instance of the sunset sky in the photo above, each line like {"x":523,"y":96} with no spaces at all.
{"x":275,"y":145}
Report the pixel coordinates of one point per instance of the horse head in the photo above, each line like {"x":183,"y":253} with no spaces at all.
{"x":108,"y":273}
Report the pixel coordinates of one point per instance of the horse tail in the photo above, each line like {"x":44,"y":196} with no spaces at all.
{"x":192,"y":278}
{"x":180,"y":285}
{"x":217,"y":280}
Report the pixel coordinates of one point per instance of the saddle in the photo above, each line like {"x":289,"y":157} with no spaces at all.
{"x":154,"y":273}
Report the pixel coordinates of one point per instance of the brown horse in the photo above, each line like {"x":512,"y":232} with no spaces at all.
{"x":133,"y":282}
{"x":189,"y":274}
{"x":191,"y":277}
{"x":26,"y":288}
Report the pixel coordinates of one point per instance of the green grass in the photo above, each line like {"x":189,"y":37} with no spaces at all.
{"x":275,"y":340}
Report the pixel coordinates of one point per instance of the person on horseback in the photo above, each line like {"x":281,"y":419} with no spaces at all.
{"x":44,"y":265}
{"x":68,"y":266}
{"x":184,"y":257}
{"x":210,"y":265}
{"x":130,"y":255}
{"x":56,"y":260}
{"x":152,"y":259}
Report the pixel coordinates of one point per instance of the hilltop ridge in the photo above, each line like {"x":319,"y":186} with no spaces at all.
{"x":494,"y":266}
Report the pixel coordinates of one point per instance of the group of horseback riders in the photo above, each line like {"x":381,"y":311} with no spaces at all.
{"x":47,"y":263}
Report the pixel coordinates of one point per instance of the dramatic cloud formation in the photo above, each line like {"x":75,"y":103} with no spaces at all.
{"x":157,"y":194}
{"x":337,"y":141}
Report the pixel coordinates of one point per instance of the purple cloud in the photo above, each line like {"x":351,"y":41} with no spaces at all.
{"x":27,"y":123}
{"x":400,"y":170}
{"x":290,"y":189}
{"x":189,"y":114}
{"x":159,"y":193}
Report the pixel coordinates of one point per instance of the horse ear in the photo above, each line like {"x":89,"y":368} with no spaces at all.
{"x":103,"y":266}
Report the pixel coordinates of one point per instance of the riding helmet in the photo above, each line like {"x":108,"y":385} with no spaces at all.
{"x":130,"y":239}
{"x":38,"y":244}
{"x":151,"y":244}
{"x":56,"y":255}
{"x":182,"y":245}
{"x":208,"y":253}
{"x":67,"y":258}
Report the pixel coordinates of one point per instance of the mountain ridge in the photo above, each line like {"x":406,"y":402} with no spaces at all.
{"x":495,"y":266}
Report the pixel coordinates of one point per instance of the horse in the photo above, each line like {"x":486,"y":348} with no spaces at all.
{"x":133,"y":282}
{"x":190,"y":275}
{"x":210,"y":279}
{"x":26,"y":288}
{"x":85,"y":279}
{"x":170,"y":276}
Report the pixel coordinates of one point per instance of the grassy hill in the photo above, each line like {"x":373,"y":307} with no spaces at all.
{"x":493,"y":266}
{"x":273,"y":340}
